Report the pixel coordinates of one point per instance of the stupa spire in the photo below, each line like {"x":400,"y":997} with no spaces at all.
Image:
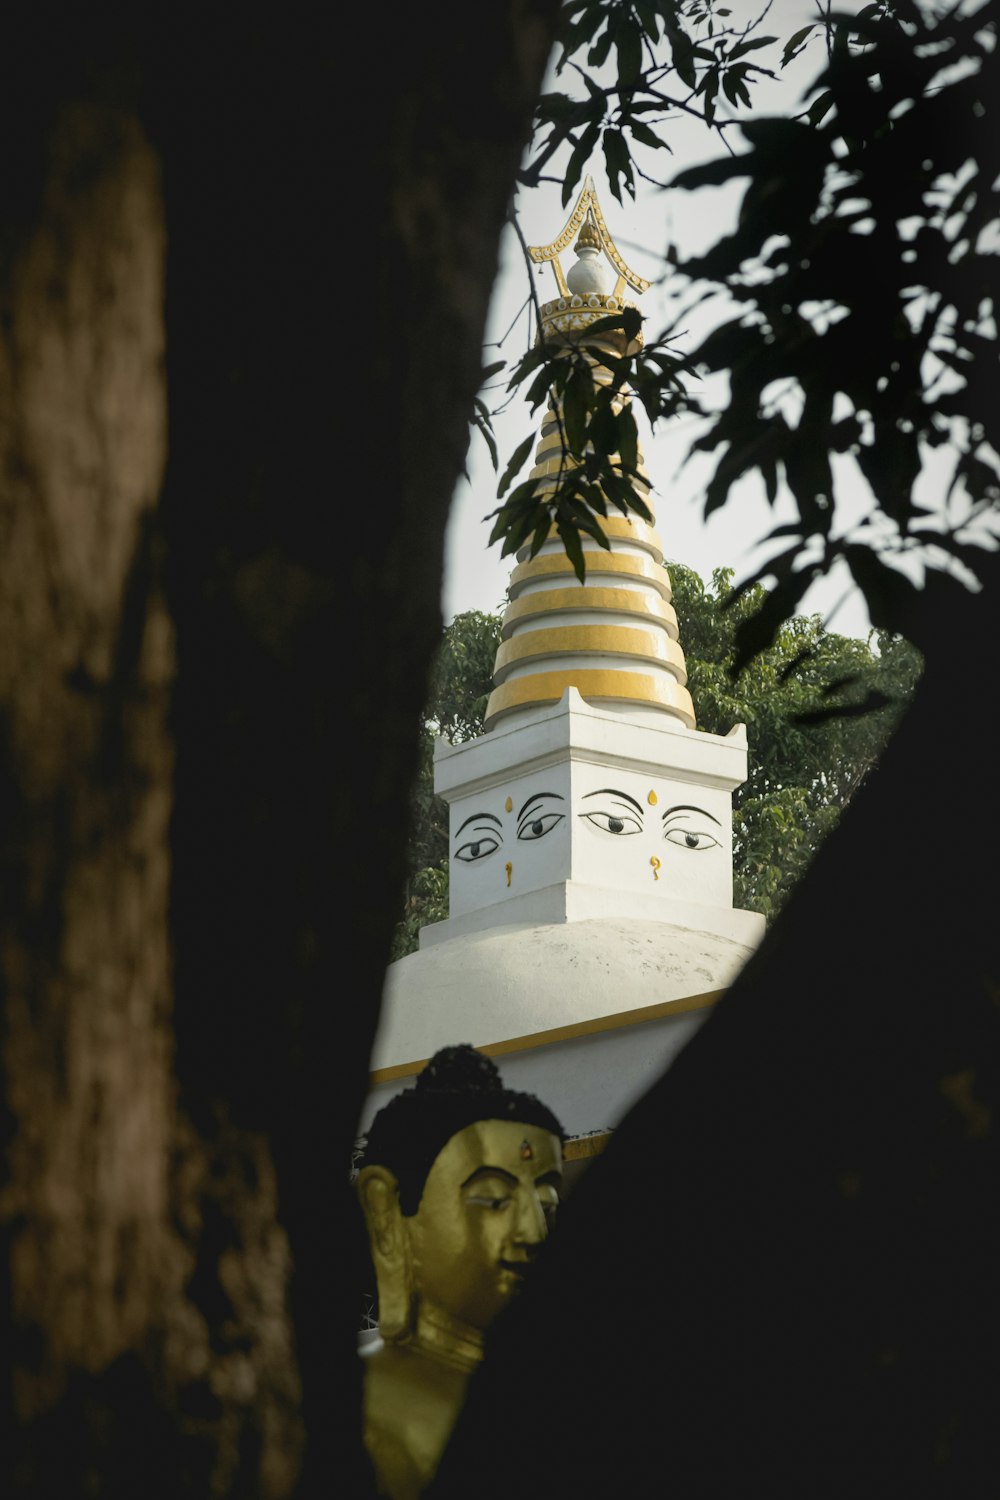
{"x":614,"y":638}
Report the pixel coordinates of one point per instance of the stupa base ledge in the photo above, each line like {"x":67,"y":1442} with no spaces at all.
{"x":575,"y":901}
{"x":534,"y":740}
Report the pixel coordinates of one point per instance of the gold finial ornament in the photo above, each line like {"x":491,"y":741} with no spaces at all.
{"x":589,"y":239}
{"x":587,"y":213}
{"x":459,"y":1189}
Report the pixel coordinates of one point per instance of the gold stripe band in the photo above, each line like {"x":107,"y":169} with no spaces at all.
{"x":624,"y":529}
{"x":627,"y":687}
{"x":619,"y":601}
{"x":606,"y":640}
{"x":598,"y":562}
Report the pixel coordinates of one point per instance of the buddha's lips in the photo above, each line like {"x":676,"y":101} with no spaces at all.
{"x":517,"y":1267}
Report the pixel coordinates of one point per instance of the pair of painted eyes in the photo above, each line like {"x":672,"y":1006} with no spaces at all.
{"x":687,"y":838}
{"x":533,"y":828}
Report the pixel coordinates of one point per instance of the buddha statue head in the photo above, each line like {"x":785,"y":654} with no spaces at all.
{"x":459,"y":1189}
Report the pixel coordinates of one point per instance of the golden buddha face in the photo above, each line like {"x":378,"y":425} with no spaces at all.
{"x":487,"y":1206}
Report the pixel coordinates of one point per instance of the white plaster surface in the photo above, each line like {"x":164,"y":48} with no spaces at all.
{"x":573,"y":901}
{"x":513,"y":981}
{"x":589,"y":1082}
{"x":604,"y":786}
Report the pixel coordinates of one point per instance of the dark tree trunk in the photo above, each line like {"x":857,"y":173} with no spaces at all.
{"x":781,"y":1277}
{"x":244,"y":274}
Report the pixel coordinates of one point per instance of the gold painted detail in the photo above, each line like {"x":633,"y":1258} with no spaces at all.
{"x":652,"y":799}
{"x":509,"y":805}
{"x":574,"y":314}
{"x":620,"y":529}
{"x":551,"y":442}
{"x":604,"y":640}
{"x":646,"y":607}
{"x":551,"y":468}
{"x":510,"y":870}
{"x":598,"y":562}
{"x":656,"y":866}
{"x":602,"y":683}
{"x":582,"y":1146}
{"x":589,"y":239}
{"x":586,"y":202}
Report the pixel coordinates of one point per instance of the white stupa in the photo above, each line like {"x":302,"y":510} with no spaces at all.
{"x":591,"y":920}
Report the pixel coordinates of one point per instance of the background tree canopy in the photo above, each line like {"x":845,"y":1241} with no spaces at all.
{"x":819,"y":708}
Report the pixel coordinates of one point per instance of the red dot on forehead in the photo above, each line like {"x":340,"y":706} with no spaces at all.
{"x":526,"y":1151}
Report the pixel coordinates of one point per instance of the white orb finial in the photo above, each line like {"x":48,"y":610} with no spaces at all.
{"x":591,"y":273}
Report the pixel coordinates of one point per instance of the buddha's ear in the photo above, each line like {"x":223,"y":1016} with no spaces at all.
{"x":379,"y":1193}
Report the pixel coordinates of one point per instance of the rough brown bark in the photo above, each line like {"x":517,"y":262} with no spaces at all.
{"x":86,"y":655}
{"x":109,"y":1195}
{"x":244,"y":276}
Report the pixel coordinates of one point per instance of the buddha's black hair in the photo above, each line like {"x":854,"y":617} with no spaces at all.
{"x":458,"y":1087}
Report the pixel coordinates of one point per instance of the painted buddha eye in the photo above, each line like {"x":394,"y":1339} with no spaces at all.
{"x":621,"y":823}
{"x":690,"y":838}
{"x":621,"y":814}
{"x":479,"y":848}
{"x":537,"y":828}
{"x":538,"y":817}
{"x":683,"y":825}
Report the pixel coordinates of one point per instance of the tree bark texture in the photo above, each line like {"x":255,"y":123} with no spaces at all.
{"x":244,"y":277}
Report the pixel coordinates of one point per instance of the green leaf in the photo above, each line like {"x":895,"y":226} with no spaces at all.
{"x":709,"y":88}
{"x":598,"y":54}
{"x":629,"y":44}
{"x":874,"y":700}
{"x":750,"y":45}
{"x":729,"y":83}
{"x":589,"y":523}
{"x":570,"y":538}
{"x":628,"y":437}
{"x":540,"y":535}
{"x":889,"y":594}
{"x":515,"y":465}
{"x":603,"y":431}
{"x":681,"y":49}
{"x":757,"y":633}
{"x":645,"y":136}
{"x":579,"y":158}
{"x":610,"y":324}
{"x":820,"y":106}
{"x":576,"y":409}
{"x":540,"y":388}
{"x":482,"y":421}
{"x":794,"y":43}
{"x":529,"y":361}
{"x":619,"y":163}
{"x":714,"y":173}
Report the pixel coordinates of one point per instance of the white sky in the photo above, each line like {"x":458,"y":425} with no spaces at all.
{"x":476,"y":576}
